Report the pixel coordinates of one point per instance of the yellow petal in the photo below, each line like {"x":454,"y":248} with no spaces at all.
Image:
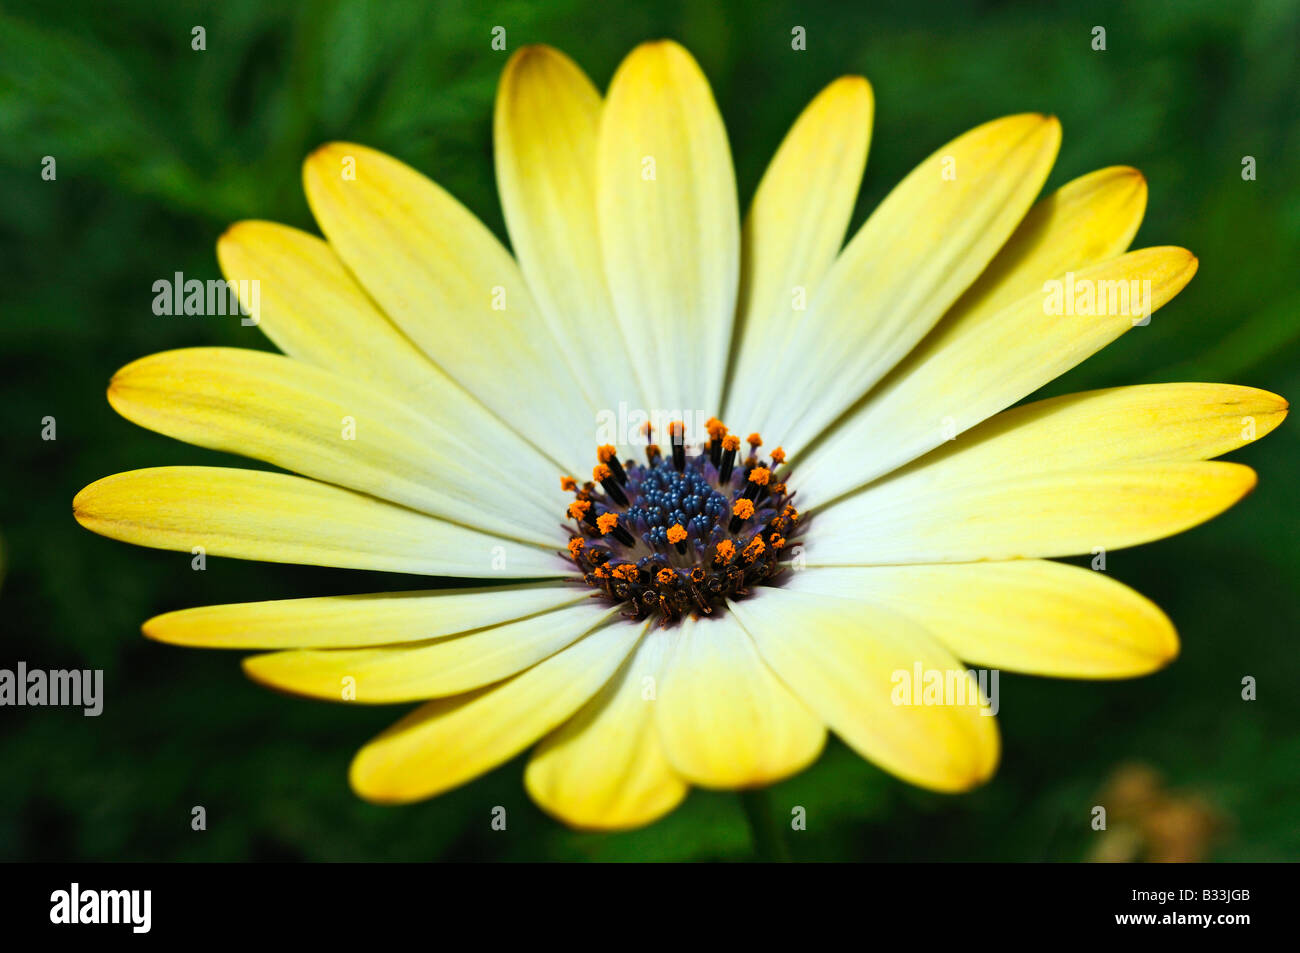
{"x":1063,"y":513}
{"x":379,"y":618}
{"x":314,"y":311}
{"x":446,"y":666}
{"x":446,"y":742}
{"x":726,"y":721}
{"x":1090,"y":219}
{"x":971,"y":368}
{"x":604,"y":769}
{"x":1023,"y":615}
{"x":320,"y":425}
{"x":926,"y":243}
{"x":848,"y":662}
{"x":795,"y":227}
{"x":1094,"y":430}
{"x":546,"y":127}
{"x":273,"y":517}
{"x":669,"y":225}
{"x":445,"y":280}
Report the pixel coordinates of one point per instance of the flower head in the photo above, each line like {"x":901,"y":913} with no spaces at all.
{"x":436,"y":391}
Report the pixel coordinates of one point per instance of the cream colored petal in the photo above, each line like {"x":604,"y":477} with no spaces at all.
{"x":604,"y":769}
{"x":445,"y":280}
{"x":850,"y":663}
{"x":1023,"y":615}
{"x":274,"y":517}
{"x":446,"y":742}
{"x":446,"y":666}
{"x":669,"y":225}
{"x":971,"y":368}
{"x":320,"y":425}
{"x":308,"y":304}
{"x":795,"y":228}
{"x":926,"y":243}
{"x":546,"y":128}
{"x":1063,"y":513}
{"x":379,"y":618}
{"x":726,"y":721}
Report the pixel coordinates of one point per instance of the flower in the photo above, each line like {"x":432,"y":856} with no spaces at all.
{"x":710,"y":609}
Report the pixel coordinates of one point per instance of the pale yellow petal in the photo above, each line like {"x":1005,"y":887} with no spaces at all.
{"x":313,"y":309}
{"x":446,"y":742}
{"x":1007,"y":516}
{"x":604,"y":769}
{"x":1023,"y":615}
{"x":926,"y":243}
{"x":274,"y":517}
{"x":850,"y":662}
{"x":446,"y":666}
{"x":669,"y":225}
{"x":379,"y":618}
{"x":445,"y":280}
{"x":321,"y":425}
{"x":969,"y":369}
{"x":726,"y":721}
{"x":546,"y":128}
{"x":794,"y":230}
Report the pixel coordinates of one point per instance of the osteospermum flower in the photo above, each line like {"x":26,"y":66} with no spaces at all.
{"x":701,"y":602}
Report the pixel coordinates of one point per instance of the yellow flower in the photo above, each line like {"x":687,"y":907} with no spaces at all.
{"x":437,"y":394}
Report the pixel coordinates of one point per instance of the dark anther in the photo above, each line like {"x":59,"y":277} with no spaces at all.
{"x":615,"y":491}
{"x":728,"y":464}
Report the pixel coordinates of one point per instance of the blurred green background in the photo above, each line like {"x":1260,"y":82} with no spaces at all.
{"x":160,"y":147}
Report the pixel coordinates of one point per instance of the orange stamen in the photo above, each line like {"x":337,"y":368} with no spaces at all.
{"x":743,"y":509}
{"x":606,"y":452}
{"x":600,"y":473}
{"x":665,"y":577}
{"x":778,"y":456}
{"x":726,"y":549}
{"x":576,"y":546}
{"x":676,"y":533}
{"x":731,"y":442}
{"x":606,"y":523}
{"x":760,"y":475}
{"x":568,"y":484}
{"x":578,"y":509}
{"x":754,"y":549}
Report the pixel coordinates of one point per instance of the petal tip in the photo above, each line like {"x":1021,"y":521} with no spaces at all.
{"x":370,"y":785}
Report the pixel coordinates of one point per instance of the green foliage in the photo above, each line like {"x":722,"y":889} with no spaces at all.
{"x":159,"y":147}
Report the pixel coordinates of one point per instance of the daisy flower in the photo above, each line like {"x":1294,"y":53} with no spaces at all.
{"x":813,"y":482}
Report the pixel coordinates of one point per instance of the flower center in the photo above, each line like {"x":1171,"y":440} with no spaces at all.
{"x":681,"y":533}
